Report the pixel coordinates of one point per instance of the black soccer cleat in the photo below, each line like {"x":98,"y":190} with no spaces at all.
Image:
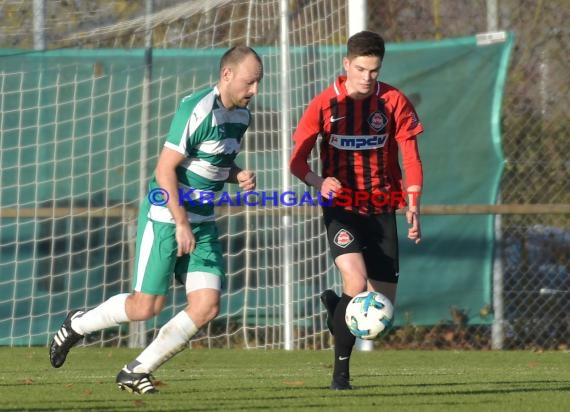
{"x":330,"y":299}
{"x":140,"y":383}
{"x":64,"y":340}
{"x":340,"y":382}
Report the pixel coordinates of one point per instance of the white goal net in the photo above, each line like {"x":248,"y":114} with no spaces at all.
{"x":81,"y":125}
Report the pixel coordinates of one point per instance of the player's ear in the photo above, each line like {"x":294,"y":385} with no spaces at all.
{"x":227,"y":73}
{"x":345,"y":63}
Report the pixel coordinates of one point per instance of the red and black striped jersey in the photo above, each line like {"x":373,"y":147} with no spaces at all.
{"x":360,"y":140}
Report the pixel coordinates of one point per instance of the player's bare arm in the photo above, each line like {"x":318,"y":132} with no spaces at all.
{"x":166,"y":178}
{"x":414,"y":178}
{"x":413,"y":213}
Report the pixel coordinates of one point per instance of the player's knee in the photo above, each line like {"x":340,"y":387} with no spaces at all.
{"x":142,"y":313}
{"x":354,"y":286}
{"x":203,"y":314}
{"x":213,"y":312}
{"x":158,"y":305}
{"x":210,"y":312}
{"x":141,"y":309}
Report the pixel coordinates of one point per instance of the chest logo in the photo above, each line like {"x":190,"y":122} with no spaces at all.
{"x":377,"y":121}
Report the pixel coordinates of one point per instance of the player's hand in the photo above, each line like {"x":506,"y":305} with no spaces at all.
{"x":246,"y":180}
{"x":414,"y":231}
{"x":329,"y":187}
{"x":185,"y":239}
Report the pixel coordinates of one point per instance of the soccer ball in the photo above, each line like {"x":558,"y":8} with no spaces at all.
{"x":369,"y":314}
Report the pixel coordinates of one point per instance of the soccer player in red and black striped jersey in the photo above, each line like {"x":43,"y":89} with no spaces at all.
{"x":363,"y":124}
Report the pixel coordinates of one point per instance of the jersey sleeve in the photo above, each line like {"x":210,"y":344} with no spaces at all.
{"x":304,"y":139}
{"x":183,"y":128}
{"x":407,"y":122}
{"x":407,"y":127}
{"x":411,"y":162}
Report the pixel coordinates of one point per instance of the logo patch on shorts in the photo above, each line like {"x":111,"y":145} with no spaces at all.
{"x":343,"y":238}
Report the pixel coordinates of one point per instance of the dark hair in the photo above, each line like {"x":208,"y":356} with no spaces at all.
{"x":365,"y":43}
{"x":236,"y":54}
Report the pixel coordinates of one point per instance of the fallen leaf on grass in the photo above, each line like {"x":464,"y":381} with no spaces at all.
{"x":294,"y":383}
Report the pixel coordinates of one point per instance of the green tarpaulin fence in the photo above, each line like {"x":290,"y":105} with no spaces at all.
{"x":85,"y":150}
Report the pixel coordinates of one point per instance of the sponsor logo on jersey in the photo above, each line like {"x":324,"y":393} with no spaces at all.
{"x":343,"y":238}
{"x":377,"y":121}
{"x":358,"y":142}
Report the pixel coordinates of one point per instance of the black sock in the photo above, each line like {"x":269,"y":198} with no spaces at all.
{"x":343,"y":339}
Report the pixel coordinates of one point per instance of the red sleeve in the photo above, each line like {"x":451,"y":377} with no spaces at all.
{"x":411,"y":162}
{"x":407,"y":122}
{"x":408,"y":127}
{"x":304,"y":138}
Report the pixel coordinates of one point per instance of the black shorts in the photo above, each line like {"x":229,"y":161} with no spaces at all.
{"x":374,"y":236}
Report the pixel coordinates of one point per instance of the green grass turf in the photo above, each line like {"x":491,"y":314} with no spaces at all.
{"x":257,"y":380}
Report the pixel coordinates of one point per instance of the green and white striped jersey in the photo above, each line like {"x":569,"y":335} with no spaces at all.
{"x":210,"y":138}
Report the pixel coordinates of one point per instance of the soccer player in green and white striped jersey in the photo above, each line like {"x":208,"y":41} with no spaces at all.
{"x":180,"y":236}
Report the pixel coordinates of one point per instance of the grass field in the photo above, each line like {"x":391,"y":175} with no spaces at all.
{"x":242,"y":380}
